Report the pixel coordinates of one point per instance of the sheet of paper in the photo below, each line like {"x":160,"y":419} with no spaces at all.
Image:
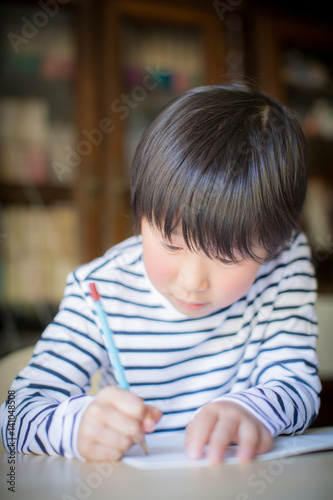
{"x":167,"y":451}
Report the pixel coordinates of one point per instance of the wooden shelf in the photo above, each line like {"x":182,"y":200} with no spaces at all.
{"x":30,"y":194}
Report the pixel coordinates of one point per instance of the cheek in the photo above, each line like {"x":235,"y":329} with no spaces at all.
{"x":234,"y":285}
{"x":158,"y":268}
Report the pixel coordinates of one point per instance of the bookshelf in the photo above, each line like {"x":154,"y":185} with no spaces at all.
{"x":294,"y":63}
{"x":38,"y":219}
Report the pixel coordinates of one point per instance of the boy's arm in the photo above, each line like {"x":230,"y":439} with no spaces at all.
{"x":49,"y":395}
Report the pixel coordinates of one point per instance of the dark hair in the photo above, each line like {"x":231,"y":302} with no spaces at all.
{"x":227,"y":164}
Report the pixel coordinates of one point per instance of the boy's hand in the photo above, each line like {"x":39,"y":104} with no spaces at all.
{"x":113,"y":422}
{"x":223,"y":423}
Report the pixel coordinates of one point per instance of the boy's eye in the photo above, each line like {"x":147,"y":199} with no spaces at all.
{"x":227,"y":262}
{"x":169,"y":248}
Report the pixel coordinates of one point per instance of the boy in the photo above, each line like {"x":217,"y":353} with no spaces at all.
{"x":212,"y":306}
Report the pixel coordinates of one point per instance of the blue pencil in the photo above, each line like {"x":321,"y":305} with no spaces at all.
{"x":110,"y":345}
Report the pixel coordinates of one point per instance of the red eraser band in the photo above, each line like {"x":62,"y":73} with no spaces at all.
{"x":93,"y":292}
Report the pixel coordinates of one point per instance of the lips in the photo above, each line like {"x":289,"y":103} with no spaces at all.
{"x":191,"y":306}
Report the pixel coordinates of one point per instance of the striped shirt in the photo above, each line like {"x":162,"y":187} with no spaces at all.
{"x":259,"y":352}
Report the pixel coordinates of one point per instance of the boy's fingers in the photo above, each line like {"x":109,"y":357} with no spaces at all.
{"x":119,"y":422}
{"x":152,"y":416}
{"x":124,"y":401}
{"x":221,"y":437}
{"x":91,"y":446}
{"x":198,"y":432}
{"x":266,"y":441}
{"x":113,"y":439}
{"x":248,"y":440}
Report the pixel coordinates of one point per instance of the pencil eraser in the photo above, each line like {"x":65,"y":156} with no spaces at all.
{"x":93,"y":292}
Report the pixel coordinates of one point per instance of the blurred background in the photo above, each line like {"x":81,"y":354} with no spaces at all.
{"x":81,"y":80}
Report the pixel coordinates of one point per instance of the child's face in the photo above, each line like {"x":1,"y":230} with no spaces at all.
{"x":194,"y":284}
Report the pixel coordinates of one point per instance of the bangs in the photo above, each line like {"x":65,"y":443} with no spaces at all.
{"x":210,"y":221}
{"x":214,"y":208}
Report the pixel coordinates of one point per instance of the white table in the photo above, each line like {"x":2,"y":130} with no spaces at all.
{"x":307,"y":477}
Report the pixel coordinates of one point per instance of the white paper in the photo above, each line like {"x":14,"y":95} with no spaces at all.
{"x":167,"y":450}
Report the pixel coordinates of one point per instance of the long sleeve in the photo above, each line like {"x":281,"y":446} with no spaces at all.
{"x":50,"y":393}
{"x":284,"y":385}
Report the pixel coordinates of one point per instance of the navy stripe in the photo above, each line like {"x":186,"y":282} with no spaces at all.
{"x":49,"y":388}
{"x":294,"y":334}
{"x":176,"y":395}
{"x":31,"y":422}
{"x":266,"y":401}
{"x":70,"y":295}
{"x":56,"y":374}
{"x":48,"y":425}
{"x":130,"y":273}
{"x":67,"y":360}
{"x":298,"y":290}
{"x":77,"y":332}
{"x":280,"y":400}
{"x":283,"y":265}
{"x":249,"y":401}
{"x":79,"y":314}
{"x":75,"y":346}
{"x":42,"y":447}
{"x":292,"y":388}
{"x":290,"y":307}
{"x":183,"y":377}
{"x":293,"y":316}
{"x":299,"y":348}
{"x":283,"y":362}
{"x":121,"y":285}
{"x":180,"y":349}
{"x":167,"y":429}
{"x":113,"y":298}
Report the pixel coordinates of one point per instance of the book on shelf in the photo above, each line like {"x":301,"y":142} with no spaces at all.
{"x":175,"y":54}
{"x":30,"y":142}
{"x":23,"y":138}
{"x":39,"y":250}
{"x":51,"y":52}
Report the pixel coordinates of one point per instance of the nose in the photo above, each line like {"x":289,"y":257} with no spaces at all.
{"x":192,"y":274}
